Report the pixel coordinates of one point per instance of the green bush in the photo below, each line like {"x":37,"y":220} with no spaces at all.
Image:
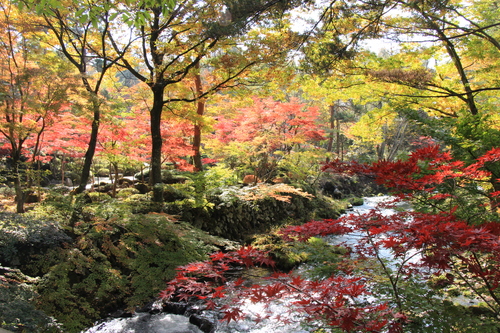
{"x":56,"y":206}
{"x":22,"y":237}
{"x":126,"y":192}
{"x":103,"y":172}
{"x":321,"y":258}
{"x":327,"y":208}
{"x":17,"y":306}
{"x":7,"y":191}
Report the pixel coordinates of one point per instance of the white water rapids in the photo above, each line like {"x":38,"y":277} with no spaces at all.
{"x":169,"y":323}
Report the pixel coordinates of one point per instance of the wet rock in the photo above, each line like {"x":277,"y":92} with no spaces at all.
{"x":121,"y":314}
{"x":205,"y":324}
{"x":142,"y":188}
{"x":175,"y":307}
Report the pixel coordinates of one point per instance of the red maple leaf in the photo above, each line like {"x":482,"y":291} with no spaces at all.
{"x":234,"y":314}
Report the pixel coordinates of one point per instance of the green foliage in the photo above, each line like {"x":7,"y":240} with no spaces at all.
{"x":172,"y":193}
{"x":99,"y":197}
{"x":126,"y":193}
{"x":17,"y":308}
{"x":446,"y":316}
{"x":22,"y":237}
{"x":280,"y":251}
{"x":8,"y":192}
{"x":302,"y":166}
{"x":356,"y":201}
{"x":103,"y":172}
{"x":215,"y":177}
{"x":56,"y":206}
{"x":476,"y":134}
{"x":429,"y":311}
{"x":469,"y":200}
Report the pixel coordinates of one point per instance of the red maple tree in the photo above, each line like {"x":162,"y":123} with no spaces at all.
{"x":423,"y":243}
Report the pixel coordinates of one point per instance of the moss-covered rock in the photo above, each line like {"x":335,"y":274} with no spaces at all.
{"x":322,"y":258}
{"x":107,"y":253}
{"x":237,"y":213}
{"x":351,"y":186}
{"x":106,"y":264}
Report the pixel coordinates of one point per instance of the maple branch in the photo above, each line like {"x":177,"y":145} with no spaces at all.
{"x":487,"y":283}
{"x":451,"y":93}
{"x":393,"y":282}
{"x":478,"y":31}
{"x":215,"y":88}
{"x":125,"y":63}
{"x":181,"y":74}
{"x":473,"y":288}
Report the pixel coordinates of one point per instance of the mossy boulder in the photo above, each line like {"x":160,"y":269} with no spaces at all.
{"x":106,"y":264}
{"x":322,"y":258}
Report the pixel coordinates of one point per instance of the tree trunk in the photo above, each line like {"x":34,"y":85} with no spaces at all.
{"x":495,"y":201}
{"x":337,"y":135}
{"x":156,"y":140}
{"x":115,"y":179}
{"x":329,"y":148}
{"x":89,"y":155}
{"x":62,"y":170}
{"x":200,"y":110}
{"x":20,"y":196}
{"x":469,"y":97}
{"x":196,"y":147}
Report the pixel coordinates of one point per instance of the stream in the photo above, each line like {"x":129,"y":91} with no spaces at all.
{"x":171,"y":323}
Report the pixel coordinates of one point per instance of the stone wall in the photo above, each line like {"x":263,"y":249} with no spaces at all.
{"x":237,"y":219}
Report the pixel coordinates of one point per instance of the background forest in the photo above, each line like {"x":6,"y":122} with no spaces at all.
{"x":139,"y":136}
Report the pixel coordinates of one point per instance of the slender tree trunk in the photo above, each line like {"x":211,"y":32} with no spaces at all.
{"x":89,"y":154}
{"x":115,"y":180}
{"x":196,"y":147}
{"x":156,"y":141}
{"x":398,"y":140}
{"x":200,"y":110}
{"x":329,"y":148}
{"x":62,"y":170}
{"x":20,"y":195}
{"x":36,"y":175}
{"x":457,"y":62}
{"x":337,"y":135}
{"x":495,"y":201}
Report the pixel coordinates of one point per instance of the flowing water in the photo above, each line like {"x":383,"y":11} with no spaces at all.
{"x":147,"y":323}
{"x":170,"y":323}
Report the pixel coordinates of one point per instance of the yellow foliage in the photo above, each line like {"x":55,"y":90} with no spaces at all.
{"x":277,"y":191}
{"x":373,"y":124}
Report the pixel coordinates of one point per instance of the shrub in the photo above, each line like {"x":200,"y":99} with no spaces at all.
{"x":8,"y":192}
{"x":102,"y":172}
{"x":126,"y":192}
{"x":17,"y":309}
{"x":99,"y":197}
